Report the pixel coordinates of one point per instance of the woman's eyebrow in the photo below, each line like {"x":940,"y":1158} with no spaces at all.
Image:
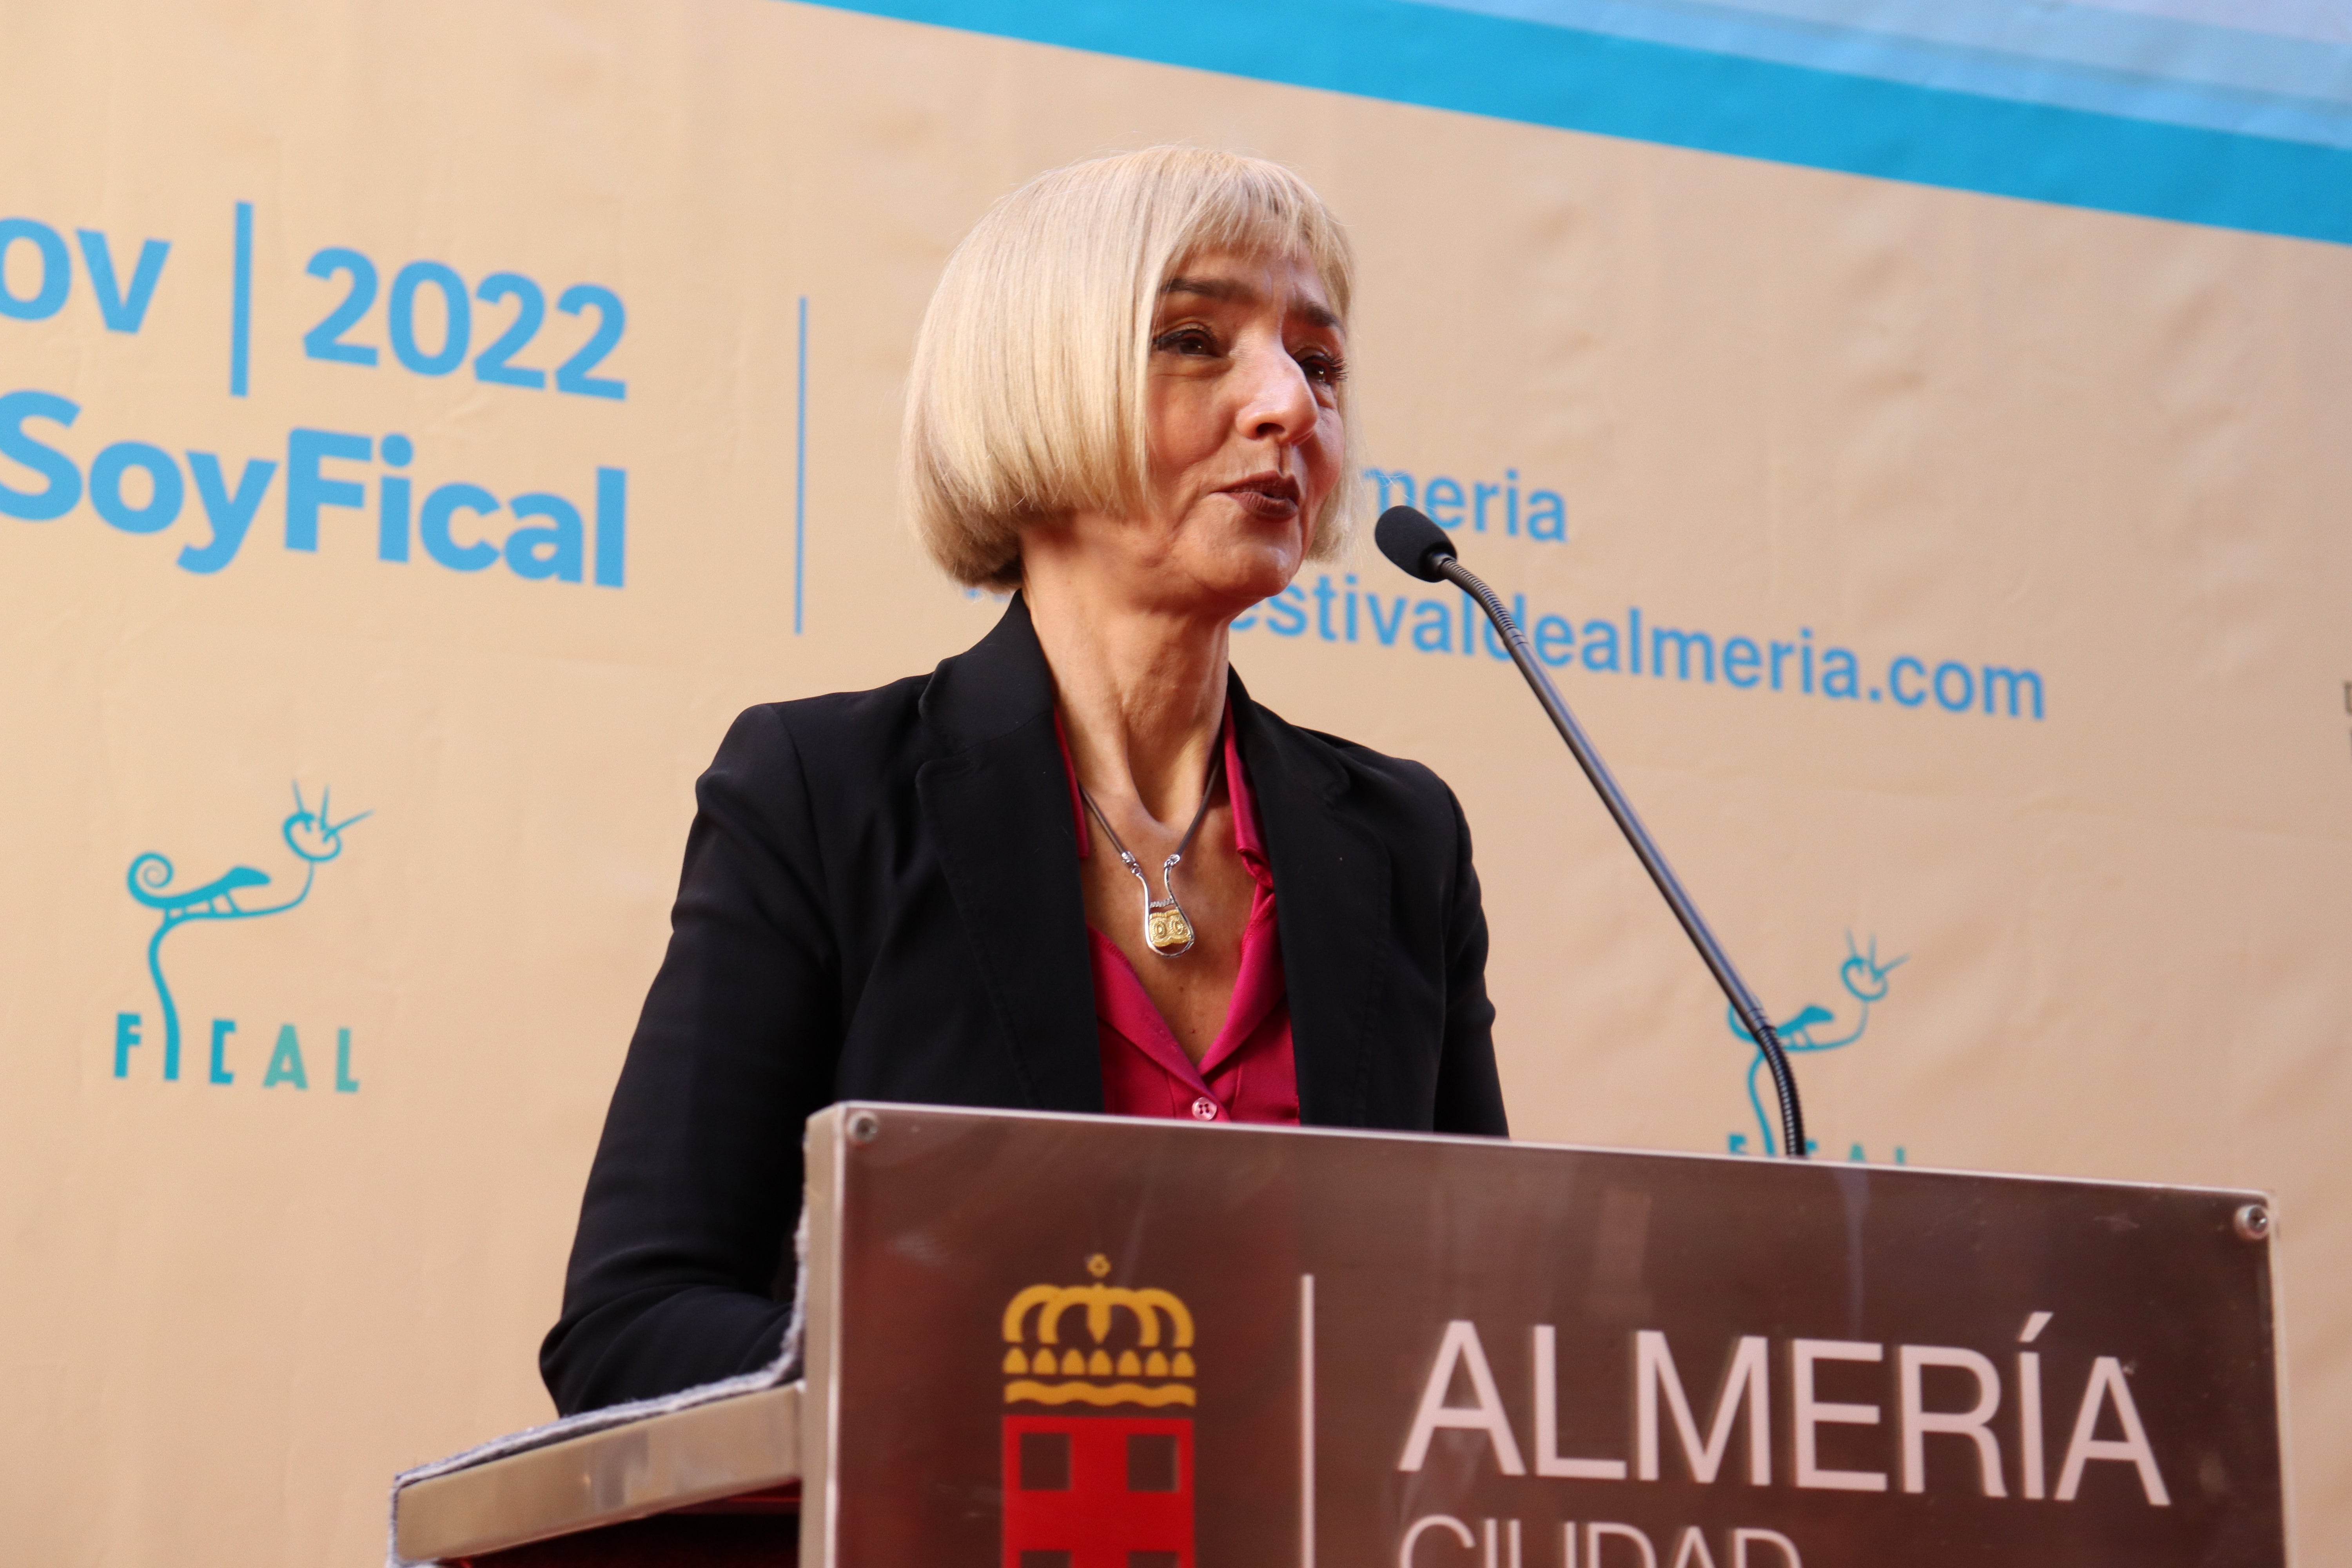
{"x":1224,"y":290}
{"x":1210,"y":289}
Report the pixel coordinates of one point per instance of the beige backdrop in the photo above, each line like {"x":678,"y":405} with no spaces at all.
{"x":1916,"y":421}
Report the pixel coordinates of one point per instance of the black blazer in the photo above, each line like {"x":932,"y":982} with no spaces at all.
{"x":881,"y":901}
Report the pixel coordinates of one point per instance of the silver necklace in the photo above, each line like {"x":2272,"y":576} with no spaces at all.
{"x":1167,"y":929}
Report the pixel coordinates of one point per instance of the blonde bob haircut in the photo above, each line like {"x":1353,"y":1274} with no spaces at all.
{"x":1026,"y":397}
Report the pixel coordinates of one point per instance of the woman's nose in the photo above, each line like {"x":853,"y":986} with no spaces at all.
{"x":1277,"y":400}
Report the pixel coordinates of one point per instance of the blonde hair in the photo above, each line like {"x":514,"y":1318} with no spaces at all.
{"x":1026,"y":399}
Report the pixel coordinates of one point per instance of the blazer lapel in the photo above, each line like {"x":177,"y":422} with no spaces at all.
{"x":999,"y":809}
{"x":1331,"y":901}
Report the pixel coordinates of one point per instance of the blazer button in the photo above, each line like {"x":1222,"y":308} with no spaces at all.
{"x":1205,"y":1109}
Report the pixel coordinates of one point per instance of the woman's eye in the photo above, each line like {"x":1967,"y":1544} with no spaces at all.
{"x":1193,"y":341}
{"x":1323,"y":369}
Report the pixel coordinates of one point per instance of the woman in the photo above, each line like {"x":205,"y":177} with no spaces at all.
{"x":1074,"y":869}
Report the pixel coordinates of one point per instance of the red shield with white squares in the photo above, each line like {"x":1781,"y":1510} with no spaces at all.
{"x":1098,"y":1491}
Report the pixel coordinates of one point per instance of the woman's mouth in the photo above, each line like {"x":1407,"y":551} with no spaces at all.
{"x":1270,"y":498}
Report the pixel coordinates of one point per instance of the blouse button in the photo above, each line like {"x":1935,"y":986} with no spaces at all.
{"x":1205,"y":1109}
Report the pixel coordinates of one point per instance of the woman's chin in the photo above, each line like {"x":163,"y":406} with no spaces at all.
{"x":1261,"y":567}
{"x":1221,"y":577}
{"x":1254,"y":569}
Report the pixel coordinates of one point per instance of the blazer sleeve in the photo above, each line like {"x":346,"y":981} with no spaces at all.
{"x":696,"y":1179}
{"x":1469,"y":1090}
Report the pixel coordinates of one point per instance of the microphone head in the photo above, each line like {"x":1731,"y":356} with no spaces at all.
{"x":1416,"y":544}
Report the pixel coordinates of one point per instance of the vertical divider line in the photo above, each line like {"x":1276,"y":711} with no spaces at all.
{"x":800,"y":473}
{"x":1306,"y":1421}
{"x":240,"y":306}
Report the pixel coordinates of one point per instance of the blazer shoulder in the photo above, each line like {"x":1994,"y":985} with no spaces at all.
{"x":1402,"y":803}
{"x":1395,"y":782}
{"x":857,"y":733}
{"x":996,"y":686}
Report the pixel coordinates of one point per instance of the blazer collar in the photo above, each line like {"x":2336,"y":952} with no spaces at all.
{"x":993,"y":687}
{"x":1331,"y":901}
{"x":999,"y":807}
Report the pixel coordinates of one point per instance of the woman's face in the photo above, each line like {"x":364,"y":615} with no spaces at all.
{"x":1241,"y":411}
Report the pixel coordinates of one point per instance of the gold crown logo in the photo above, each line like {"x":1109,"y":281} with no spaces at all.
{"x":1151,"y":1365}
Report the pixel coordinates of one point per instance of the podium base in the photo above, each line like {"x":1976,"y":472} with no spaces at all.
{"x":713,"y":1482}
{"x":666,"y":1540}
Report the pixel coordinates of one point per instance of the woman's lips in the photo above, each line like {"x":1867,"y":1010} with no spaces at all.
{"x":1268,"y":499}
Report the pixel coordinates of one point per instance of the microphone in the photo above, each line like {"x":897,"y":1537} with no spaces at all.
{"x":1421,"y":548}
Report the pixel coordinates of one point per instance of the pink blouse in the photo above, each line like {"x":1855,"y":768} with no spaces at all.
{"x":1248,"y":1074}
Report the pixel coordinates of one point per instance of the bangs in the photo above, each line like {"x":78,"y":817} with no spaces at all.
{"x":1265,"y":219}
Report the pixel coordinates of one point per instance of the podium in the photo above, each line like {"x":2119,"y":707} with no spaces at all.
{"x":1064,"y":1342}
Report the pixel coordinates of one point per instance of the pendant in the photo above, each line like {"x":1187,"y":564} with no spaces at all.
{"x":1166,"y":929}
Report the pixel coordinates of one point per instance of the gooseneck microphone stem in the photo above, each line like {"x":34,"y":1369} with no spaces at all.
{"x":1743,"y":1001}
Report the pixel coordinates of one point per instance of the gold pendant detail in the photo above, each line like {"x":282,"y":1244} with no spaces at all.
{"x":1166,"y":931}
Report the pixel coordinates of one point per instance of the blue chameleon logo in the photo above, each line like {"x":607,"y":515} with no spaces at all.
{"x":1865,"y":981}
{"x":314,"y":836}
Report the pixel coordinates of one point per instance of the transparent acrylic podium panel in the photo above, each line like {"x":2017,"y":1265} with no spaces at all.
{"x":1081,"y":1342}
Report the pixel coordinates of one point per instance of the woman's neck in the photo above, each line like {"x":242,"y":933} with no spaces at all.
{"x":1142,"y":693}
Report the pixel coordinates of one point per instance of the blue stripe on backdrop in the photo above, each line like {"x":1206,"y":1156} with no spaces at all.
{"x":2071,"y":55}
{"x":1541,"y":74}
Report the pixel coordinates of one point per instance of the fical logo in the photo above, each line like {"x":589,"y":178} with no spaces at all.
{"x":1094,"y":1488}
{"x":315,"y":838}
{"x":1814,"y":1028}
